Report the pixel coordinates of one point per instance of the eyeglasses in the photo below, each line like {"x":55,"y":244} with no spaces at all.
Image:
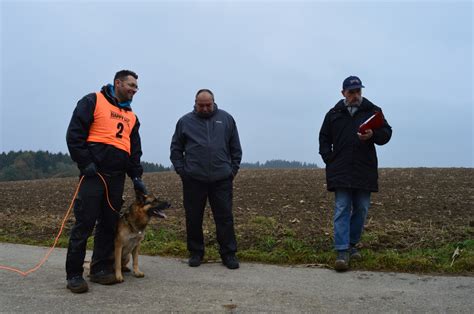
{"x":131,"y":85}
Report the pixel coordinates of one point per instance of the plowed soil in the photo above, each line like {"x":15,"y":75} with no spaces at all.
{"x":415,"y":208}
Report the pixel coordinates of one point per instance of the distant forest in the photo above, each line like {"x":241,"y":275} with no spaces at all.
{"x":29,"y":165}
{"x":278,"y":164}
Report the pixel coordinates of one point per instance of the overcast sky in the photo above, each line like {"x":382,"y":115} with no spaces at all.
{"x":276,"y":66}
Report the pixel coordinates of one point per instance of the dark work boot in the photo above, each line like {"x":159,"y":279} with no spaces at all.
{"x":230,"y":261}
{"x":77,"y":284}
{"x":103,"y":277}
{"x":194,"y":261}
{"x":342,"y":261}
{"x":355,"y":254}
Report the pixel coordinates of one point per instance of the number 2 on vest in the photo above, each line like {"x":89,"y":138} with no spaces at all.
{"x":120,"y":130}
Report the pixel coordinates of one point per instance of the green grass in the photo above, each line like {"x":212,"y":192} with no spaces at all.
{"x":423,"y":260}
{"x":162,"y":242}
{"x":288,"y":250}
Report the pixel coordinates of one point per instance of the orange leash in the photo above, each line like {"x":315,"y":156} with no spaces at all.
{"x":65,"y":219}
{"x":107,"y":193}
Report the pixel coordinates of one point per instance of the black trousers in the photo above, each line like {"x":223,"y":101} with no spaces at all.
{"x":92,"y":209}
{"x":195,"y":195}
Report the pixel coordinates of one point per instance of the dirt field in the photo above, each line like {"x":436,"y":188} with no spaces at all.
{"x":415,"y":208}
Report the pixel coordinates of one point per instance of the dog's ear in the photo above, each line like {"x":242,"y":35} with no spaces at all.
{"x":140,"y":197}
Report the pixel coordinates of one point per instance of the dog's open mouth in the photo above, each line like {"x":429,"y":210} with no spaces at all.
{"x":159,"y":213}
{"x":158,"y":210}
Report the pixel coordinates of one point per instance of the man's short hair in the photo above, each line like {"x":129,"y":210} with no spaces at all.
{"x":121,"y":75}
{"x":205,"y":90}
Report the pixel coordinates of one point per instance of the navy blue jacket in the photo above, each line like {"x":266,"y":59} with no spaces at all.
{"x":206,"y":149}
{"x":350,"y":162}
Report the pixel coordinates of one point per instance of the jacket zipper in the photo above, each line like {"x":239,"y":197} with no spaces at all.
{"x":208,"y":150}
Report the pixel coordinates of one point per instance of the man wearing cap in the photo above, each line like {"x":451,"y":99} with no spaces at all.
{"x":351,"y":165}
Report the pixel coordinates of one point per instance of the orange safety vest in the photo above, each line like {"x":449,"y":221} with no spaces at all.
{"x":111,"y":125}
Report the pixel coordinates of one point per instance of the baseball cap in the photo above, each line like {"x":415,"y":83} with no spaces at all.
{"x":352,"y":82}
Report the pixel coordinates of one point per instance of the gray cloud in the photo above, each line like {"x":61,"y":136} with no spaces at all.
{"x":277,"y":67}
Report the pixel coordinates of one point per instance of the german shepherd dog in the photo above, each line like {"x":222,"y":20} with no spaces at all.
{"x":131,"y":231}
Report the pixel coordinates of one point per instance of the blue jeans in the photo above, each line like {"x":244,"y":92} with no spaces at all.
{"x":350,"y":211}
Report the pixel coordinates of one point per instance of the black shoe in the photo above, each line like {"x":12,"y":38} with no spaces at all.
{"x":77,"y":284}
{"x":342,"y":261}
{"x":355,"y":254}
{"x":230,"y":261}
{"x":194,"y":260}
{"x":103,"y":277}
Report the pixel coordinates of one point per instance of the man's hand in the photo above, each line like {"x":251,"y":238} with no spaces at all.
{"x":138,"y":185}
{"x":181,"y":173}
{"x":368,"y":134}
{"x":90,"y":170}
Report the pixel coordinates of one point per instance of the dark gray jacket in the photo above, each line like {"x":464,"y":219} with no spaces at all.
{"x":206,"y":149}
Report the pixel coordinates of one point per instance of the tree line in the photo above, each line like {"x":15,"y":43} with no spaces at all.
{"x":28,"y":165}
{"x":279,"y":164}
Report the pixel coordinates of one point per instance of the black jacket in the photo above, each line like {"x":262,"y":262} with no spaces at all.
{"x":108,"y":158}
{"x":350,"y":162}
{"x":206,"y":149}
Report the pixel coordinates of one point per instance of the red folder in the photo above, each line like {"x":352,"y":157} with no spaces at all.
{"x":374,"y":122}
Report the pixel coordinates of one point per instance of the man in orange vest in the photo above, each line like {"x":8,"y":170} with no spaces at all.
{"x":102,"y":137}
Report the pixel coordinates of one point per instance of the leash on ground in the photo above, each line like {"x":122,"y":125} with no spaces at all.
{"x":65,"y":219}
